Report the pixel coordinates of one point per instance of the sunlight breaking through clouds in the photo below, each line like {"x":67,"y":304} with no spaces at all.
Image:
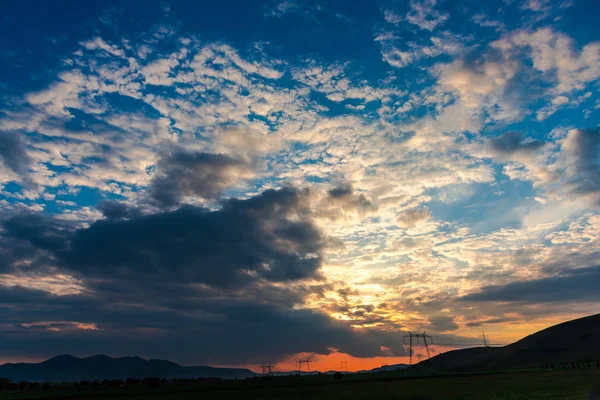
{"x":429,"y":167}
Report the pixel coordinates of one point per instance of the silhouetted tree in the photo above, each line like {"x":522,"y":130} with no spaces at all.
{"x":4,"y":383}
{"x":132,"y":381}
{"x":151,"y":382}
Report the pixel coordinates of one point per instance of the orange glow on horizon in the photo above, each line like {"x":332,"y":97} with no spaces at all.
{"x":329,"y":362}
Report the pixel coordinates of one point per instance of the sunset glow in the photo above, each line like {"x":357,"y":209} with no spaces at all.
{"x":263,"y":182}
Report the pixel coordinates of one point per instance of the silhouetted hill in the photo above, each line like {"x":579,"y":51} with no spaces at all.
{"x":572,"y":341}
{"x":391,"y":367}
{"x":69,"y":368}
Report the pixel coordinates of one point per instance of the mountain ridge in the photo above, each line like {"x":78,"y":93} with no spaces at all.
{"x":69,"y":368}
{"x":571,"y":341}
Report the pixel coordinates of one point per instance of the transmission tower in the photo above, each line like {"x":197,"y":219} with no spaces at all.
{"x":343,"y":366}
{"x":267,"y":369}
{"x":300,"y":362}
{"x":427,"y":340}
{"x":308,"y":364}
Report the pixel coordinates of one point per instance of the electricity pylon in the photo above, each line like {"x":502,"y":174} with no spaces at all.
{"x":267,"y":369}
{"x":427,"y":340}
{"x":300,"y":362}
{"x":343,"y":366}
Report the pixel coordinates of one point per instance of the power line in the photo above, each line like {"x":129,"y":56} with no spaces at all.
{"x":414,"y":339}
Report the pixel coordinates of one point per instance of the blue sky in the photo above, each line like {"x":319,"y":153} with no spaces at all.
{"x":401,"y":163}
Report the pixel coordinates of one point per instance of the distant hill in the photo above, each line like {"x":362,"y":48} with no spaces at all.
{"x":391,"y":367}
{"x":572,"y":341}
{"x":69,"y":368}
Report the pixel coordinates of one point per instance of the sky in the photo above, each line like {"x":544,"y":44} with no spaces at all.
{"x":239,"y":183}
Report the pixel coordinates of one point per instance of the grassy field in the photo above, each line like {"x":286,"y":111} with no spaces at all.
{"x":555,"y":385}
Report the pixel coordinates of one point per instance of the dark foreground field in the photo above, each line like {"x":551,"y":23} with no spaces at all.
{"x":555,"y":385}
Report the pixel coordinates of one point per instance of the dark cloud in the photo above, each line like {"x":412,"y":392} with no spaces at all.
{"x":582,"y":148}
{"x":194,"y":285}
{"x":205,"y":175}
{"x":342,"y":201}
{"x":341,"y":192}
{"x":489,"y":321}
{"x":575,"y":284}
{"x":443,"y":324}
{"x":212,"y":330}
{"x":13,"y":154}
{"x":243,"y":241}
{"x":116,"y":210}
{"x":40,"y":231}
{"x":513,"y":142}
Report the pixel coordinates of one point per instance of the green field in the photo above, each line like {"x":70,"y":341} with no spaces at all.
{"x":555,"y":385}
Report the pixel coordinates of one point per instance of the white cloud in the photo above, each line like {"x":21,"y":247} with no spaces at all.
{"x":415,"y":52}
{"x":424,"y":14}
{"x":391,"y":17}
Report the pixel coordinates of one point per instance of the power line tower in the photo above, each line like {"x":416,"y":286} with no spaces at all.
{"x":267,"y":369}
{"x":427,"y":340}
{"x":485,"y":342}
{"x":300,"y":362}
{"x":308,"y":364}
{"x":343,"y":366}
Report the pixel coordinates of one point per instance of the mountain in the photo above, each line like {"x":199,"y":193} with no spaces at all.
{"x":573,"y":341}
{"x":391,"y":367}
{"x":69,"y":368}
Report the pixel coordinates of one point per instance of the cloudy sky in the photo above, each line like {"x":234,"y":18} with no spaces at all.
{"x":236,"y":183}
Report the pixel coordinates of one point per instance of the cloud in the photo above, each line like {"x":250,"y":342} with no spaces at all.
{"x":570,"y":285}
{"x":410,"y":218}
{"x":338,"y":84}
{"x":244,"y":241}
{"x":424,"y":14}
{"x":524,"y":158}
{"x":445,"y":43}
{"x":556,"y":55}
{"x":342,"y":202}
{"x":443,"y":324}
{"x":391,"y":17}
{"x":484,"y":81}
{"x":117,"y":210}
{"x":513,"y":142}
{"x":210,"y":280}
{"x":489,"y":321}
{"x":582,"y":150}
{"x":511,"y":73}
{"x":14,"y":156}
{"x":207,"y":330}
{"x":284,"y":7}
{"x":181,"y":173}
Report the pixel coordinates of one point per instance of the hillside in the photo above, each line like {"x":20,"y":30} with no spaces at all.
{"x":572,"y":341}
{"x":69,"y":368}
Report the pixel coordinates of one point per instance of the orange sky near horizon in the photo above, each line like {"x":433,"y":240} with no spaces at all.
{"x":502,"y":334}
